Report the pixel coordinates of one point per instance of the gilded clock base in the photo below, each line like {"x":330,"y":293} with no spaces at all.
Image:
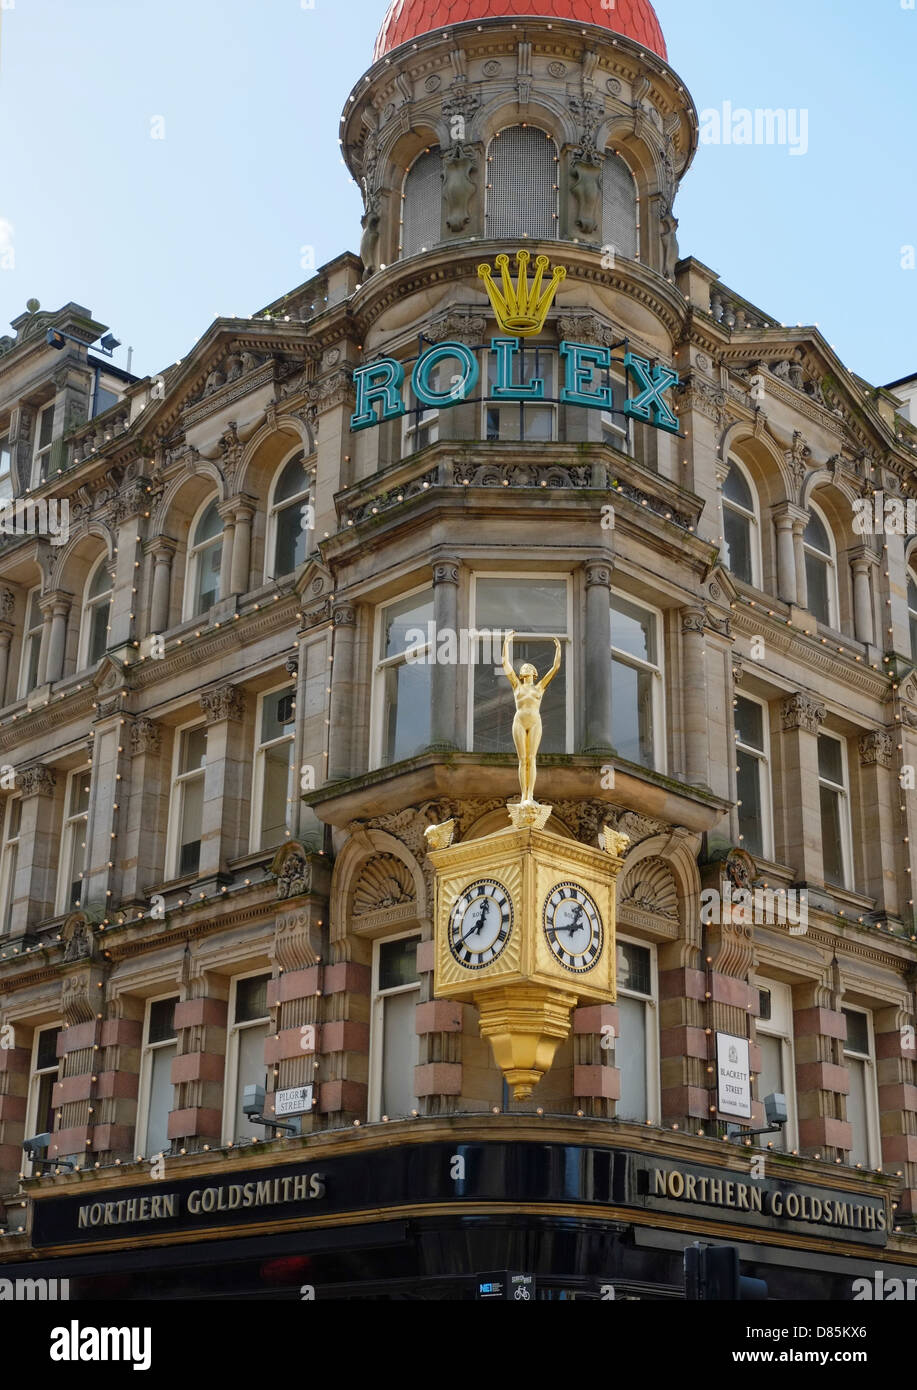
{"x":525,"y":1024}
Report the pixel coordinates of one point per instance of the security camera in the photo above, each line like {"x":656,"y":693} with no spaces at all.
{"x":37,"y":1146}
{"x":775,"y":1110}
{"x":253,"y":1100}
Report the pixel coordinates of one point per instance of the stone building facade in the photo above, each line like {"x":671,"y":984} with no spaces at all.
{"x":222,"y":744}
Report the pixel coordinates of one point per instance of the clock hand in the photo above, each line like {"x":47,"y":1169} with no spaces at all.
{"x":479,"y":925}
{"x":574,"y":926}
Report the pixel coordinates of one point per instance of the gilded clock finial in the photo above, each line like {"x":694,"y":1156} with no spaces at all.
{"x":528,"y":692}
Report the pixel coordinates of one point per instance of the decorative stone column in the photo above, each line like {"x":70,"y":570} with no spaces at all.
{"x":227,"y":782}
{"x":6,"y":637}
{"x":340,"y":741}
{"x":108,"y":809}
{"x":243,"y":512}
{"x":862,"y":564}
{"x":596,"y":1078}
{"x":58,"y":606}
{"x":147,"y":807}
{"x":117,"y":1081}
{"x":799,"y":554}
{"x":694,"y":696}
{"x":784,"y":520}
{"x":162,"y":549}
{"x":45,"y":645}
{"x":439,"y":1075}
{"x":14,"y":1089}
{"x":800,"y":814}
{"x":346,"y":988}
{"x":445,"y":675}
{"x":878,"y":792}
{"x":896,"y":1075}
{"x":78,"y":1047}
{"x":598,"y":740}
{"x":822,"y":1082}
{"x":198,"y":1069}
{"x":39,"y":836}
{"x":228,"y":515}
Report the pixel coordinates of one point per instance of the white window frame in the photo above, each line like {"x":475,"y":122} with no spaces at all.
{"x":29,"y":635}
{"x":831,"y":560}
{"x":303,"y":498}
{"x":31,"y":1121}
{"x":194,"y":553}
{"x":382,"y":664}
{"x":414,"y":425}
{"x":87,"y":612}
{"x":551,"y":389}
{"x":660,"y":741}
{"x":69,"y":829}
{"x":780,"y":1027}
{"x":753,"y":518}
{"x":39,"y":453}
{"x":9,"y":860}
{"x":566,"y":641}
{"x":259,"y":763}
{"x":377,"y":1021}
{"x":176,"y":798}
{"x":232,"y":1052}
{"x":651,"y":1018}
{"x":622,"y":435}
{"x":144,"y":1091}
{"x":873,"y":1120}
{"x":912,"y":612}
{"x":762,"y":757}
{"x":845,"y":818}
{"x":6,"y":472}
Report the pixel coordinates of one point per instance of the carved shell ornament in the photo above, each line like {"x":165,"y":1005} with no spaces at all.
{"x":650,"y":887}
{"x":385,"y":882}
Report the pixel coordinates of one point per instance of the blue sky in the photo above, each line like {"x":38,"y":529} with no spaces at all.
{"x":158,"y":236}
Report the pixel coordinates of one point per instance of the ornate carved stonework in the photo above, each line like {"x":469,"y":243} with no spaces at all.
{"x":297,"y":941}
{"x":36,"y":780}
{"x":650,"y":887}
{"x":146,"y":737}
{"x":460,"y":165}
{"x":344,"y":616}
{"x":79,"y":997}
{"x":598,"y":572}
{"x":803,"y":712}
{"x":7,"y":604}
{"x":876,"y":749}
{"x":458,"y":327}
{"x":77,"y":937}
{"x":226,"y":702}
{"x":693,"y":620}
{"x":292,"y":870}
{"x":446,"y":573}
{"x":385,"y":882}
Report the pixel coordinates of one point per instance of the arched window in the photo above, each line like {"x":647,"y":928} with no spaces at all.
{"x":521,"y":200}
{"x":621,"y":208}
{"x":821,"y":568}
{"x":288,"y":518}
{"x":96,"y":613}
{"x":741,"y":534}
{"x":912,"y":611}
{"x":205,"y":556}
{"x":421,"y":203}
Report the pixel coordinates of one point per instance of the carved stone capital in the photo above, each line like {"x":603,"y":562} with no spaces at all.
{"x":344,"y":616}
{"x":598,"y":573}
{"x":446,"y":572}
{"x":803,"y":712}
{"x":693,"y":620}
{"x":226,"y":702}
{"x":876,"y":749}
{"x":146,"y":737}
{"x":7,"y":604}
{"x":36,"y":780}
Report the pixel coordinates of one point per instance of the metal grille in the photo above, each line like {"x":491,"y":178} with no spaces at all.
{"x":522,"y":185}
{"x":421,"y":207}
{"x":619,"y":226}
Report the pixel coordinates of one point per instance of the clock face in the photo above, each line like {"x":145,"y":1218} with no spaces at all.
{"x":573,"y":926}
{"x":480,"y":923}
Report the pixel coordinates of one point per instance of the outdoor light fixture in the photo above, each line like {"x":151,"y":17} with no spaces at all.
{"x":38,"y":1145}
{"x":58,"y":340}
{"x":253,"y":1098}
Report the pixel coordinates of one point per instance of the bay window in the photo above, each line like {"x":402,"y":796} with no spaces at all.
{"x":519,"y":420}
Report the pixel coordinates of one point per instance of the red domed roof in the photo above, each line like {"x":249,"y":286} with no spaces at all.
{"x":407,"y":19}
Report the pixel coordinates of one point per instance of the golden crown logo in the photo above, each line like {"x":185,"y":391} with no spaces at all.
{"x":522,"y":310}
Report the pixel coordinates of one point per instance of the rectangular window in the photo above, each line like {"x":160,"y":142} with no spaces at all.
{"x":45,"y":1071}
{"x":6,"y":469}
{"x":72,"y":863}
{"x":835,"y":810}
{"x":9,"y":860}
{"x":513,"y":420}
{"x":637,"y":1044}
{"x":160,"y":1048}
{"x":403,"y":678}
{"x":31,"y":644}
{"x":753,"y":782}
{"x":537,"y":609}
{"x":186,"y":808}
{"x":778,"y":1067}
{"x":636,"y":682}
{"x":246,"y":1066}
{"x":420,"y":427}
{"x":615,"y":429}
{"x":272,"y":801}
{"x":44,"y":439}
{"x":862,"y":1100}
{"x":393,"y":1034}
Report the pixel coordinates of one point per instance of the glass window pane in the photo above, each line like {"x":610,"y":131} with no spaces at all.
{"x":277,"y":791}
{"x":192,"y":794}
{"x":35,"y":618}
{"x":736,"y":489}
{"x":251,"y":998}
{"x":630,"y":1059}
{"x":830,"y":760}
{"x":45,"y":1113}
{"x":79,"y":793}
{"x":831,"y":841}
{"x":737,"y":544}
{"x":495,"y":708}
{"x":34,"y":653}
{"x":399,"y":618}
{"x":207,"y":588}
{"x":765,"y":1000}
{"x":633,"y":630}
{"x":101,"y":583}
{"x":277,"y":719}
{"x":46,"y":1052}
{"x":632,"y":714}
{"x":771,"y":1081}
{"x":15,"y":818}
{"x":252,"y":1072}
{"x":193,"y":749}
{"x":857,"y":1111}
{"x":857,"y":1032}
{"x":525,"y":605}
{"x":398,"y":963}
{"x":46,"y":427}
{"x":399,"y":1054}
{"x":818,"y":583}
{"x":407,"y":693}
{"x":292,"y":538}
{"x":162,"y":1020}
{"x":816,"y":535}
{"x":749,"y":719}
{"x":748,"y":792}
{"x":634,"y":968}
{"x":157,"y":1129}
{"x":293,"y":481}
{"x":98,"y":632}
{"x":209,"y":526}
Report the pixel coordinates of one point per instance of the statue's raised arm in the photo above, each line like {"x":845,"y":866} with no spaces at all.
{"x":549,"y":675}
{"x":508,"y":660}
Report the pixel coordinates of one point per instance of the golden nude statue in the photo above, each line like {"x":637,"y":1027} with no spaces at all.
{"x":527,"y":726}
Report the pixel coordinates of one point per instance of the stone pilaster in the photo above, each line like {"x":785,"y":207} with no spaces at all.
{"x":340,"y":743}
{"x":142,"y":854}
{"x":78,"y":1047}
{"x":597,"y":734}
{"x":198,"y":1070}
{"x":896,"y":1077}
{"x":106,"y":826}
{"x":14,"y":1091}
{"x":798,"y":816}
{"x":39,"y":838}
{"x":878,"y":791}
{"x":445,"y":675}
{"x":345,"y":1042}
{"x":596,"y":1077}
{"x":227,"y":780}
{"x":694,"y":696}
{"x":822,"y":1084}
